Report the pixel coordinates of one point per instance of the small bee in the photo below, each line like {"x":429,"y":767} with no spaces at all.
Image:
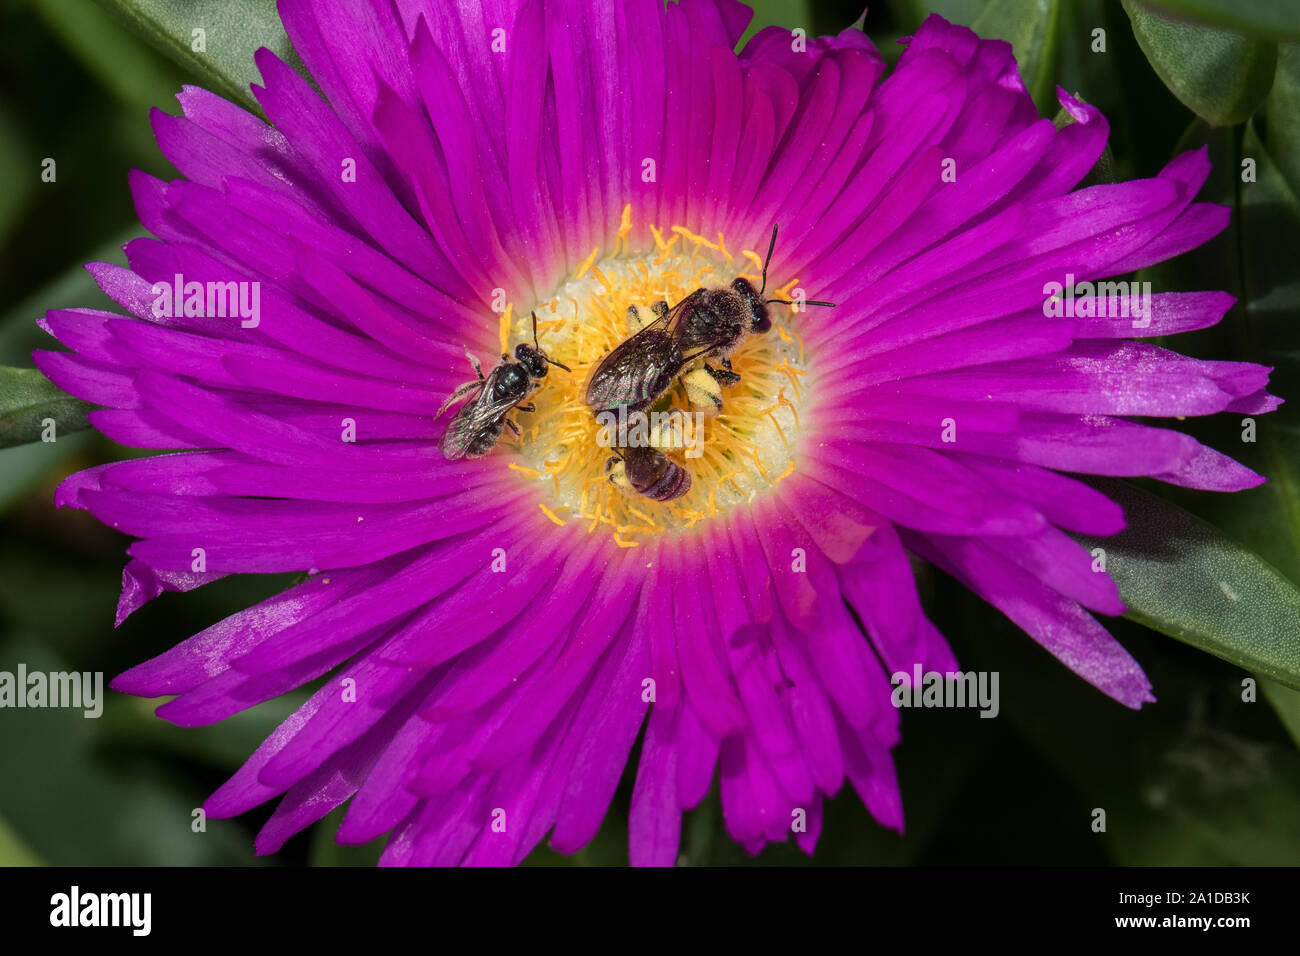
{"x":477,"y":426}
{"x":707,"y":323}
{"x":649,"y":472}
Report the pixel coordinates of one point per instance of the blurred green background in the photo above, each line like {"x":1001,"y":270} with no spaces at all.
{"x":1199,"y":778}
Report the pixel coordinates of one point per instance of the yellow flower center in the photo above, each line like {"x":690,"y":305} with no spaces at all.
{"x":731,"y":456}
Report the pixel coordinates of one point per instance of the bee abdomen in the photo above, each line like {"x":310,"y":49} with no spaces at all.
{"x":654,"y":475}
{"x":675,"y":482}
{"x":486,"y":440}
{"x":458,"y":441}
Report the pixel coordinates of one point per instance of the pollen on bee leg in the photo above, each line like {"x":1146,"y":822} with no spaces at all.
{"x":703,"y":391}
{"x":732,"y":454}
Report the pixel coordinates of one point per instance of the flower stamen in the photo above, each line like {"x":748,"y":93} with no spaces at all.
{"x":551,"y":514}
{"x":731,"y":453}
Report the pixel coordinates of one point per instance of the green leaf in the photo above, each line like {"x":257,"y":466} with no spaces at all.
{"x":1283,"y":136}
{"x":780,"y":13}
{"x":1221,"y":77}
{"x":76,"y":803}
{"x":116,"y":59}
{"x":1253,"y":260}
{"x":1188,"y":781}
{"x":13,"y":851}
{"x":1214,"y":800}
{"x":1103,"y":171}
{"x":912,"y":13}
{"x":1030,"y":27}
{"x":131,"y":720}
{"x":233,"y":30}
{"x":73,"y":288}
{"x":1276,"y":19}
{"x":27,"y":399}
{"x":1286,"y":702}
{"x":23,"y":467}
{"x":18,"y":171}
{"x":1182,"y":577}
{"x":1269,"y":217}
{"x":325,"y":851}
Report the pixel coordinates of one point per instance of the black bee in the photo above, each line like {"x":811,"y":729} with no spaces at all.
{"x":477,"y":426}
{"x":707,"y":323}
{"x":648,"y":472}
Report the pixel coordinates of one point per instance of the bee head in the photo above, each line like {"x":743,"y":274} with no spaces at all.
{"x":759,"y":321}
{"x":532,"y":359}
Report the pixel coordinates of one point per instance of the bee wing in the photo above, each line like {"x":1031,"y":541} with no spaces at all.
{"x":689,"y":342}
{"x":673,"y":318}
{"x":483,"y":410}
{"x":640,"y":366}
{"x":635,"y":371}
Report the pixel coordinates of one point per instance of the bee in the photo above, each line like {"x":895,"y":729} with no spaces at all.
{"x":708,"y":323}
{"x":649,"y":472}
{"x":477,"y":426}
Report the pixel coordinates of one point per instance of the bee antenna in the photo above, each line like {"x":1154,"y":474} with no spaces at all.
{"x":770,"y":246}
{"x":545,"y":358}
{"x":829,"y":305}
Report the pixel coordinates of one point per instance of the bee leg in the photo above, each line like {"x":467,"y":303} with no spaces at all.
{"x":703,"y":390}
{"x":530,"y":407}
{"x":660,"y":309}
{"x":513,"y":427}
{"x":723,"y":376}
{"x":458,"y":395}
{"x":478,"y":369}
{"x":616,"y":470}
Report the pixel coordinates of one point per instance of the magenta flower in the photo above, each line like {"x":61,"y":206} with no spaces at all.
{"x":498,"y":631}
